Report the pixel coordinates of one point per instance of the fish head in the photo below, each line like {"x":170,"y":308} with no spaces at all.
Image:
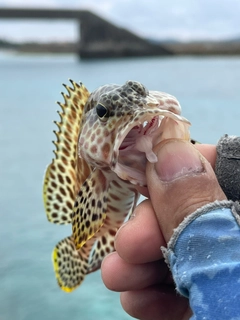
{"x":121,"y":125}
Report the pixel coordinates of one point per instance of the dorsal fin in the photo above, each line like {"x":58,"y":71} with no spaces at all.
{"x":67,"y":172}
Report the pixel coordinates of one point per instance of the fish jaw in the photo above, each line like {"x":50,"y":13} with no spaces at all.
{"x":135,"y":142}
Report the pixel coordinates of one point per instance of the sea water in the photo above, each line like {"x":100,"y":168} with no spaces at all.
{"x":208,"y":90}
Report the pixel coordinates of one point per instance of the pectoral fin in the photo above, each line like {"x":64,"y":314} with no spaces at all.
{"x":101,"y":248}
{"x":90,"y":208}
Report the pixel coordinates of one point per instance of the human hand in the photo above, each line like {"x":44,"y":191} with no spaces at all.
{"x":186,"y":181}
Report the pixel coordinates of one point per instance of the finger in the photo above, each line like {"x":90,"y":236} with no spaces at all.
{"x":156,"y":302}
{"x":119,"y":275}
{"x":179,"y":183}
{"x":139,"y":240}
{"x":209,"y":152}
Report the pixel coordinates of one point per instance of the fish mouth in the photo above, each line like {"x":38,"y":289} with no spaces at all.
{"x":136,"y":141}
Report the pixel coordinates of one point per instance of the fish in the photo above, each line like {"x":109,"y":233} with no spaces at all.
{"x":103,"y":142}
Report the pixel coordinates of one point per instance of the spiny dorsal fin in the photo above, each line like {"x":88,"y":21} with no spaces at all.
{"x":62,"y":179}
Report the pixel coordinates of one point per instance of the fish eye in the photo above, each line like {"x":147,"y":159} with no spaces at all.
{"x":102,"y":111}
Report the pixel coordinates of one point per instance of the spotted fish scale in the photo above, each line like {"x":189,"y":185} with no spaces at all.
{"x":104,"y":140}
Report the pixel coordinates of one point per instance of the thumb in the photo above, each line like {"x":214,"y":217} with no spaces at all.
{"x":179,"y":183}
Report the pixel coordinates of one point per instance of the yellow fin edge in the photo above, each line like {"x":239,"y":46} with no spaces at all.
{"x":56,"y":270}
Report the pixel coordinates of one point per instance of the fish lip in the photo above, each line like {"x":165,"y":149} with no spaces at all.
{"x":130,"y":173}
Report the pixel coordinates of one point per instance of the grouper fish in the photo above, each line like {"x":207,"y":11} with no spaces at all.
{"x":103,"y":142}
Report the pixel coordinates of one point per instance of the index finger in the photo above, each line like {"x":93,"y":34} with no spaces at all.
{"x":139,"y":240}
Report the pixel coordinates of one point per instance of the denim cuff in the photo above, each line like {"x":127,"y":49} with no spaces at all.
{"x":235,"y":209}
{"x":203,"y":256}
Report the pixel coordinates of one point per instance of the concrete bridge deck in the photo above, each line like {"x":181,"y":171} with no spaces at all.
{"x":98,"y":38}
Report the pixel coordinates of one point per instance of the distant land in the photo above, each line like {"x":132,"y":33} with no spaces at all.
{"x":226,"y":47}
{"x":35,"y":47}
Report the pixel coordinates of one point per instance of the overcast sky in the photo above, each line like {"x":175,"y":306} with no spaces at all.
{"x":157,"y":19}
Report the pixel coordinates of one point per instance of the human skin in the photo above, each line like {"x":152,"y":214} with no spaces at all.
{"x":182,"y":181}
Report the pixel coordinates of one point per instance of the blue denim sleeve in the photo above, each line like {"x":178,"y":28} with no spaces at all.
{"x":204,"y":257}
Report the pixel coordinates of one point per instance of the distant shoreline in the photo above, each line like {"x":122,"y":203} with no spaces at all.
{"x":205,"y":48}
{"x":176,"y":48}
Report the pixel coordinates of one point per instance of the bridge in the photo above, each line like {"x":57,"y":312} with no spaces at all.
{"x":98,"y":38}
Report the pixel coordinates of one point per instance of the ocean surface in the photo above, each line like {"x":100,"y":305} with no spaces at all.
{"x":208,"y":89}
